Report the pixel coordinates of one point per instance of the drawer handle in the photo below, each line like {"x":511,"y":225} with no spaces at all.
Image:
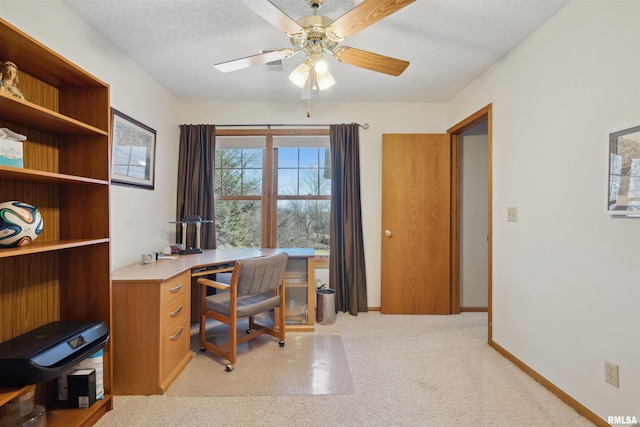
{"x":176,"y":312}
{"x":176,"y":289}
{"x":177,"y":334}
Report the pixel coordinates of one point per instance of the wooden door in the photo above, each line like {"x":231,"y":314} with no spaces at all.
{"x":416,"y":194}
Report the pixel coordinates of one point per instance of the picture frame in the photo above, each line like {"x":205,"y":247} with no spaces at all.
{"x":133,"y":152}
{"x":623,"y":195}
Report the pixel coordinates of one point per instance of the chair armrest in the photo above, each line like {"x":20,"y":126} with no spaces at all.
{"x":213,"y":284}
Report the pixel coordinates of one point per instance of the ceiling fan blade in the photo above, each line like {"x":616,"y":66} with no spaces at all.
{"x":366,"y":13}
{"x":270,"y":13}
{"x":370,"y":61}
{"x":250,"y":61}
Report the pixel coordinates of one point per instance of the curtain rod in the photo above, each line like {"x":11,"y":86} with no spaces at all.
{"x":268,"y":126}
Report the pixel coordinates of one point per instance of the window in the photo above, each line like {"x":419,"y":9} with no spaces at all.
{"x":273,"y":190}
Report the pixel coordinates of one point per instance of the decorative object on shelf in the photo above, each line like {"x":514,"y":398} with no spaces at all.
{"x":11,"y":148}
{"x":20,"y":224}
{"x":133,"y":151}
{"x":94,"y":362}
{"x":23,"y":411}
{"x":624,"y":172}
{"x":190,"y":219}
{"x":9,"y":80}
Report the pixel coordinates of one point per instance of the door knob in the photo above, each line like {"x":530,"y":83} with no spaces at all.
{"x":387,"y":233}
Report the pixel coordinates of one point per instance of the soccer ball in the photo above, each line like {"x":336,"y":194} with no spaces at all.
{"x":20,"y":224}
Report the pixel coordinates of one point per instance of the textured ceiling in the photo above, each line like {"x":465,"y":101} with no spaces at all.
{"x":447,"y":42}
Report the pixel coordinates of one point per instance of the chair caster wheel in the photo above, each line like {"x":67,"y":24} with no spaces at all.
{"x":281,"y":343}
{"x":229,"y":368}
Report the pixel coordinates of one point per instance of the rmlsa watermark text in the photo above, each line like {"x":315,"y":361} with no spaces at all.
{"x":622,"y":419}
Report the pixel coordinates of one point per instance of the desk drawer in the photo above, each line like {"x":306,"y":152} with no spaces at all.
{"x":173,"y":310}
{"x":176,"y":345}
{"x":174,"y":287}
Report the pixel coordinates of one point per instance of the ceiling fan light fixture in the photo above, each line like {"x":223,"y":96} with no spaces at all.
{"x":321,"y":66}
{"x":300,"y":75}
{"x":316,"y":34}
{"x":325,"y":80}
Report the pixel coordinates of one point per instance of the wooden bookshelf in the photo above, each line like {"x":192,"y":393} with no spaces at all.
{"x":65,"y":273}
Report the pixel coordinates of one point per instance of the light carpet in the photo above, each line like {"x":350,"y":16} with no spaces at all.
{"x":407,"y":371}
{"x":307,"y":364}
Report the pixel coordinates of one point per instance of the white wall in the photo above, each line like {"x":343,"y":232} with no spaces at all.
{"x":382,"y":118}
{"x":565,"y":277}
{"x":139,"y":218}
{"x":566,"y":286}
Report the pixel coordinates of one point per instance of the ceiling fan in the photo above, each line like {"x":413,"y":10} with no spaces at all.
{"x":314,"y":35}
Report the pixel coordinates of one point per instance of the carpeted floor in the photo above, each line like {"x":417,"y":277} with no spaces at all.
{"x":307,"y":364}
{"x":406,"y":371}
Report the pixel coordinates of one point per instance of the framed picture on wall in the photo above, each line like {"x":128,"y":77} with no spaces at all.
{"x":133,"y":152}
{"x":624,"y":172}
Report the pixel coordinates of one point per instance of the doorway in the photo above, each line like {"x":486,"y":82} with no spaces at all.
{"x":467,"y":125}
{"x":410,"y":282}
{"x":473,"y":218}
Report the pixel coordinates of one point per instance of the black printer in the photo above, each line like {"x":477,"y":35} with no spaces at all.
{"x":45,"y":352}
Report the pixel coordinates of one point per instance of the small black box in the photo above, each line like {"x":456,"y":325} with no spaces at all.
{"x":82,"y":388}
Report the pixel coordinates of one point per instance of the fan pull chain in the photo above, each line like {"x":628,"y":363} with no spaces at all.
{"x":308,"y":99}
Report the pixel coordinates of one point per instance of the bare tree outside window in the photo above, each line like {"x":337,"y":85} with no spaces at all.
{"x":299,"y":197}
{"x":238,"y":172}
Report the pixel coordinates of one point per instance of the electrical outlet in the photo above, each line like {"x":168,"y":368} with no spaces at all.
{"x":611,"y":374}
{"x":512,"y":214}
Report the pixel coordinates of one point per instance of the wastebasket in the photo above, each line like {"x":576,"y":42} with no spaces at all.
{"x":326,"y":306}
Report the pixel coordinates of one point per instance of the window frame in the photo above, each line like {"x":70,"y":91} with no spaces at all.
{"x":270,"y":198}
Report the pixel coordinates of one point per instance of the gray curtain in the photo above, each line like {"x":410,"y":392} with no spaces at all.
{"x":346,"y":259}
{"x":196,"y":181}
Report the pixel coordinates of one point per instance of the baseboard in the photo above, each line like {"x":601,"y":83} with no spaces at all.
{"x":467,"y":309}
{"x":577,"y":406}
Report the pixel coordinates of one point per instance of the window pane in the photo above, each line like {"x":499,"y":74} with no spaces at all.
{"x":287,"y":157}
{"x":303,"y":224}
{"x":304,"y":171}
{"x":252,"y":182}
{"x":308,"y":157}
{"x":231,"y":182}
{"x":231,"y":158}
{"x":325,"y":158}
{"x":239,"y":172}
{"x":217,"y":189}
{"x":252,"y":158}
{"x":288,"y":182}
{"x":309,"y":182}
{"x":238,"y":223}
{"x":325,"y":182}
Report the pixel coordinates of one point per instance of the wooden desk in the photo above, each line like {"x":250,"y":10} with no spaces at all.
{"x":152,"y":305}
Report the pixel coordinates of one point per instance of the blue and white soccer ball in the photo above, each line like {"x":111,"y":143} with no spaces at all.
{"x":20,"y":224}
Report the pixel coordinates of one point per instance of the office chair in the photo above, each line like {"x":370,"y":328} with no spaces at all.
{"x":257,"y":286}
